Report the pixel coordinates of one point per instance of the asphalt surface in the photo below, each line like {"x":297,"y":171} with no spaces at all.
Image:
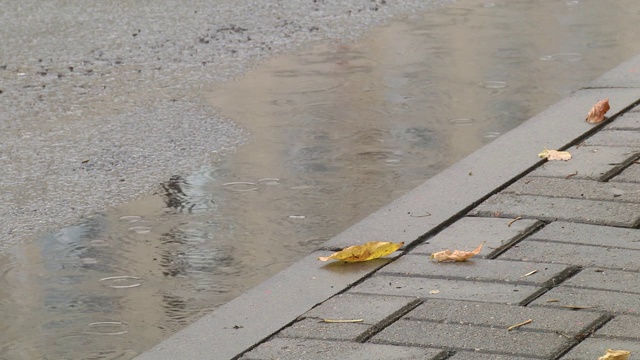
{"x":102,"y":101}
{"x":556,"y":278}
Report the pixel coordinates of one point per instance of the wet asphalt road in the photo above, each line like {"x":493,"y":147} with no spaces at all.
{"x":102,"y":101}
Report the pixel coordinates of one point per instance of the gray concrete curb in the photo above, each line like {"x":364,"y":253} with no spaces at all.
{"x":252,"y":317}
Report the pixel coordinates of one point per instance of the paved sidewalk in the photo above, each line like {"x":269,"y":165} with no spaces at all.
{"x":571,"y":264}
{"x":562,"y":249}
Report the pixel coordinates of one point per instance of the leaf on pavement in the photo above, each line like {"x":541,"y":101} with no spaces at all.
{"x":615,"y":355}
{"x":596,"y":114}
{"x":369,"y":251}
{"x":555,"y":155}
{"x":457,"y":255}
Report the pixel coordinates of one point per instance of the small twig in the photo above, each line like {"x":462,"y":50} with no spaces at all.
{"x":571,"y":175}
{"x":520,"y":324}
{"x":529,"y":273}
{"x":342,"y":321}
{"x":514,"y":220}
{"x":553,"y":300}
{"x":577,"y":307}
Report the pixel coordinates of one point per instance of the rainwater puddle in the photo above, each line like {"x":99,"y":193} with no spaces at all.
{"x":338,"y":131}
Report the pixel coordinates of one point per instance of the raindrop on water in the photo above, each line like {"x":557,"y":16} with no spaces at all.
{"x":563,"y":57}
{"x":241,"y":186}
{"x":121,"y":282}
{"x":140,"y":229}
{"x":462,"y":121}
{"x":107,"y":328}
{"x":493,"y":84}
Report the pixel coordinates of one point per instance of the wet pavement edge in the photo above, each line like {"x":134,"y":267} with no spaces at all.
{"x":251,"y":318}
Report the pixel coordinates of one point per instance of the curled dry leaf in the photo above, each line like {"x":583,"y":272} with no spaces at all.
{"x":615,"y":355}
{"x":596,"y":114}
{"x":555,"y":155}
{"x":369,"y":251}
{"x":457,"y":255}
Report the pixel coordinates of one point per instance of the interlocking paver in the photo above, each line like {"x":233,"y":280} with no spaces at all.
{"x":614,"y":138}
{"x":553,"y":209}
{"x":373,"y":310}
{"x":572,"y":254}
{"x":588,"y":162}
{"x":594,"y":348}
{"x":596,"y":300}
{"x":468,"y":355}
{"x":575,"y":189}
{"x":470,"y":231}
{"x":445,"y":288}
{"x":502,"y":316}
{"x":614,"y":280}
{"x":484,"y":339}
{"x":629,"y":175}
{"x":475,"y":269}
{"x":305,"y":349}
{"x":320,"y":330}
{"x":576,"y":233}
{"x":628,"y":121}
{"x":622,"y":326}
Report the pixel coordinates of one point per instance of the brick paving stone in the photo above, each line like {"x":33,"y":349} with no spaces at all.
{"x":628,"y":175}
{"x":601,"y":300}
{"x":502,"y":316}
{"x":319,"y":330}
{"x":574,"y":233}
{"x":447,"y":289}
{"x":588,"y":162}
{"x":575,"y":189}
{"x":468,"y":355}
{"x":469,"y":232}
{"x":371,"y":308}
{"x":305,"y":349}
{"x":592,"y":348}
{"x":572,"y":254}
{"x":475,"y":338}
{"x":553,"y":209}
{"x":614,"y":138}
{"x":614,"y":280}
{"x":622,"y":326}
{"x":628,"y":121}
{"x":475,"y":269}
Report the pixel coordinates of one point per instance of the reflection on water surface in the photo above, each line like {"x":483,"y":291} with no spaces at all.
{"x":337,"y":132}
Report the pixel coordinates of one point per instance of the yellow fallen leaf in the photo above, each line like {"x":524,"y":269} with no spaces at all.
{"x":596,"y":114}
{"x":555,"y":155}
{"x":369,"y":251}
{"x":615,"y":355}
{"x":457,"y":255}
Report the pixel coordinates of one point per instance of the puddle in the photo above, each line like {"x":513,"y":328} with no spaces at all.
{"x":337,"y":132}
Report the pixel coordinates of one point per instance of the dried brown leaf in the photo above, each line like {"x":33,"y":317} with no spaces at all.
{"x":555,"y":155}
{"x":615,"y":355}
{"x":457,"y":255}
{"x":596,"y":114}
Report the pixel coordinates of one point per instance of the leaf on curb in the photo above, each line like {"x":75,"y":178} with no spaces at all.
{"x":369,"y":251}
{"x":596,"y":114}
{"x":555,"y":155}
{"x":615,"y":355}
{"x":457,"y":255}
